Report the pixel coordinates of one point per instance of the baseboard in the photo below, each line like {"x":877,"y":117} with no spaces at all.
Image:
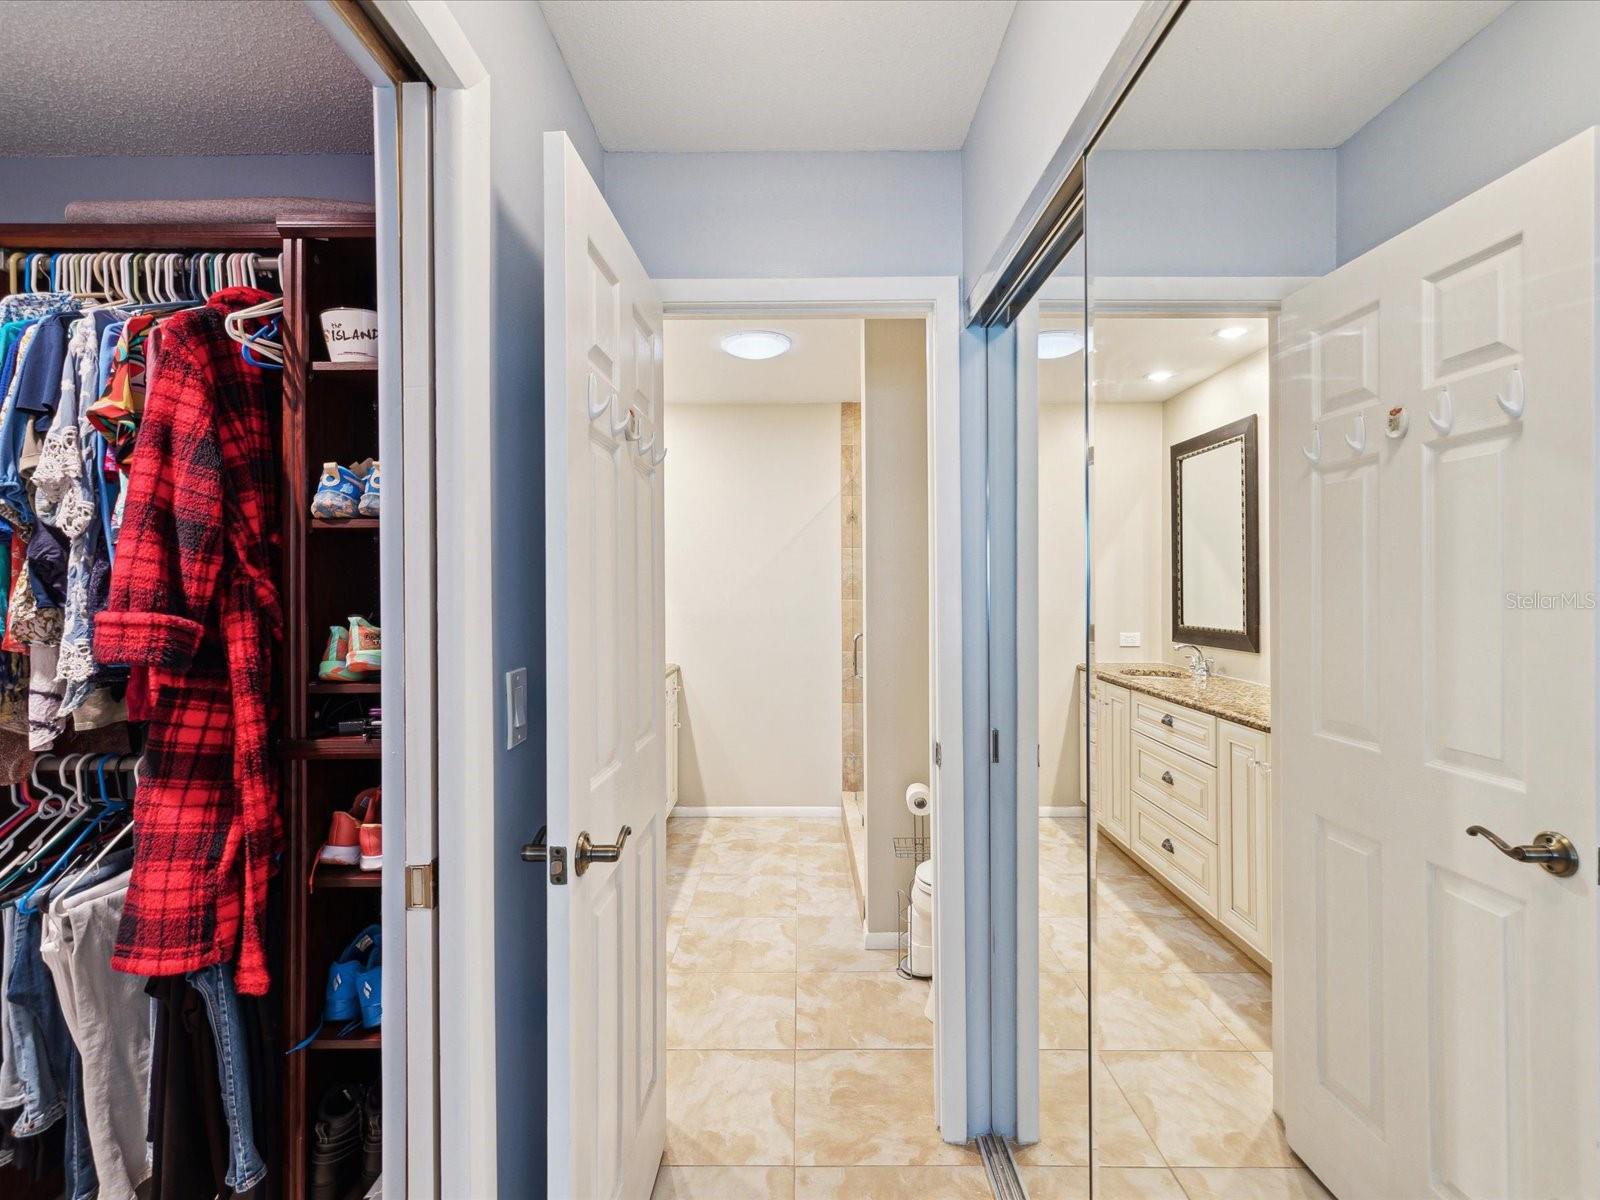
{"x":756,"y":810}
{"x":880,"y":941}
{"x":1065,"y":810}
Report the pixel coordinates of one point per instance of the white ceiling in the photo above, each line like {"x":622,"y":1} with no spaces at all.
{"x":823,"y":366}
{"x":1126,"y":349}
{"x":714,"y":75}
{"x":1300,"y":75}
{"x":167,"y":77}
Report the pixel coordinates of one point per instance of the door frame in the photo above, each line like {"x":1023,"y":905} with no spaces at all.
{"x":937,"y":298}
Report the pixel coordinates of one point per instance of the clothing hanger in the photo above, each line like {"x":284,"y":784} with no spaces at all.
{"x":121,"y":804}
{"x":106,"y":808}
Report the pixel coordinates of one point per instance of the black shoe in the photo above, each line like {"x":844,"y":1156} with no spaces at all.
{"x":371,"y":1137}
{"x":336,"y":1143}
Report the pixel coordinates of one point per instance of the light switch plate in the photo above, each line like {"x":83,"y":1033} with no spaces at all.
{"x":1129,"y":639}
{"x":516,"y":707}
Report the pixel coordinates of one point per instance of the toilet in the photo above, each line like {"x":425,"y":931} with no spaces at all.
{"x":921,"y":957}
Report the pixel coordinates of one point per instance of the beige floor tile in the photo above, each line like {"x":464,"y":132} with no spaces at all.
{"x":730,"y":1108}
{"x":1116,"y":1183}
{"x":1067,"y":940}
{"x":1264,"y":1057}
{"x":1063,"y":1012}
{"x":1063,"y":895}
{"x":744,"y":896}
{"x":1187,"y":944}
{"x":835,"y":944}
{"x":724,"y":1183}
{"x":1204,"y":1108}
{"x":1062,"y":858}
{"x":891,"y":1183}
{"x":1112,"y":861}
{"x":868,"y":1108}
{"x":1136,"y":894}
{"x":1241,"y":1001}
{"x":747,"y":858}
{"x":822,"y":858}
{"x":1124,"y":944}
{"x":826,"y":830}
{"x":688,"y":854}
{"x":1247,"y":1184}
{"x":1154,"y":1011}
{"x":730,"y":1010}
{"x":843,"y":1010}
{"x":829,"y":895}
{"x":735,"y":944}
{"x":1064,"y":1118}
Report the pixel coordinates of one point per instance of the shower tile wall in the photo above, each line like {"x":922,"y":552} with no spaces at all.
{"x":850,"y":589}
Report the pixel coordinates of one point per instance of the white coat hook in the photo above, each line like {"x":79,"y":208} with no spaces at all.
{"x":1445,"y":420}
{"x":618,"y":427}
{"x":659,"y":458}
{"x":1313,"y":453}
{"x":592,"y":390}
{"x":1358,"y":443}
{"x":1518,"y":400}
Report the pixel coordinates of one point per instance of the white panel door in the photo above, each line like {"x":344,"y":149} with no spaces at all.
{"x":606,"y":708}
{"x":1436,"y":670}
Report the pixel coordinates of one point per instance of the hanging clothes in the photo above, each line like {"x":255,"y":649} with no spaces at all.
{"x":194,"y":601}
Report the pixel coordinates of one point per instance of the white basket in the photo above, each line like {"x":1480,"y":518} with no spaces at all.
{"x":351,"y":334}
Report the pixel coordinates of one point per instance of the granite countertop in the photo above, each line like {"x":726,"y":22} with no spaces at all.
{"x":1237,"y":700}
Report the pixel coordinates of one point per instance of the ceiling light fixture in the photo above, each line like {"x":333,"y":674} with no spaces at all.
{"x":1159,"y":376}
{"x":1232,"y":333}
{"x":1059,"y":343}
{"x":756,"y":344}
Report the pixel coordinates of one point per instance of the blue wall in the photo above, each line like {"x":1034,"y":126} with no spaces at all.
{"x":38,"y":189}
{"x":789,"y":214}
{"x":1527,"y":82}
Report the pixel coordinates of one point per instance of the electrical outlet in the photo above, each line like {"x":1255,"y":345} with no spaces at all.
{"x":516,"y":707}
{"x":1128,"y":639}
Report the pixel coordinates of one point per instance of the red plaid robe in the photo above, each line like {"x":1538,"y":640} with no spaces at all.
{"x":194,"y":600}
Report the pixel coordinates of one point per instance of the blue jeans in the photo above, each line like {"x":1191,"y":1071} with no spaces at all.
{"x":215,"y":985}
{"x":39,"y":1037}
{"x":83,"y":1183}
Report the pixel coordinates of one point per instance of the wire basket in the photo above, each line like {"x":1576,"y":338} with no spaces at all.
{"x":918,"y":847}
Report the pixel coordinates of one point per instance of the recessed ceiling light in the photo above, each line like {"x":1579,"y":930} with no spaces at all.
{"x":1059,"y":343}
{"x":756,"y":343}
{"x":1159,"y":376}
{"x":1232,"y":332}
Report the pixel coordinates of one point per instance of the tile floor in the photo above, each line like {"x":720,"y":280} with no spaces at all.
{"x":799,"y":1065}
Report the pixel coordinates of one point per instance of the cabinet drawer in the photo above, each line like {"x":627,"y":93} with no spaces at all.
{"x":1194,"y":733}
{"x":1190,"y":865}
{"x":1177,"y":784}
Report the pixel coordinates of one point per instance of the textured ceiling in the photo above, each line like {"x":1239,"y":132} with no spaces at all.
{"x":708,"y":75}
{"x":175,"y":77}
{"x":1299,"y":76}
{"x":823,"y":367}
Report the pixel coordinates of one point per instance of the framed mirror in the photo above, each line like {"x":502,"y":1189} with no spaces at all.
{"x":1216,"y":564}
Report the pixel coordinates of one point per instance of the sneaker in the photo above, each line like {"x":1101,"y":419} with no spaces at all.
{"x":366,"y":648}
{"x":371,"y":1137}
{"x":336,"y":1143}
{"x":369,"y":989}
{"x":338,"y":493}
{"x":371,"y":501}
{"x":341,"y":1003}
{"x":369,"y":837}
{"x":335,"y":666}
{"x":343,"y":847}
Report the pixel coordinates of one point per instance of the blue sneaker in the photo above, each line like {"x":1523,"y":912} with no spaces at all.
{"x":342,"y":1002}
{"x":371,"y":503}
{"x":338,"y":493}
{"x":369,"y":991}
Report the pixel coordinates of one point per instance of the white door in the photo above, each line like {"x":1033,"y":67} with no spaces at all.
{"x":1436,"y":670}
{"x":606,"y":708}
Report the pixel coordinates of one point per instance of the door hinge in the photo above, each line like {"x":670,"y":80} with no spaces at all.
{"x":421,"y":885}
{"x":938,"y":755}
{"x":994,"y":745}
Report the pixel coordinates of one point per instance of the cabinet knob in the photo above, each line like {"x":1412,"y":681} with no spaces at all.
{"x":1166,"y":719}
{"x":1166,"y":778}
{"x":1166,"y":844}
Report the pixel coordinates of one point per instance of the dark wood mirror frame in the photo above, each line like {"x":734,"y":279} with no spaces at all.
{"x":1230,"y":639}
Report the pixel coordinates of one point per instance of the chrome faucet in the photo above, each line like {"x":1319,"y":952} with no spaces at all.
{"x":1199,"y":665}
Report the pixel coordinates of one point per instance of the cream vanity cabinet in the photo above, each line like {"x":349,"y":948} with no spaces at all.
{"x":1186,"y":793}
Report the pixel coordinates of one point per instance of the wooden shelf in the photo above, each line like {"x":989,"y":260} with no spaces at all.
{"x":323,"y":367}
{"x":365,"y":1040}
{"x":335,"y":878}
{"x":349,"y":525}
{"x":331,"y":687}
{"x":342,"y":746}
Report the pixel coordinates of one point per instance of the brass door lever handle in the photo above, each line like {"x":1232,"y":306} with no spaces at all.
{"x":591,"y":852}
{"x":1552,"y":851}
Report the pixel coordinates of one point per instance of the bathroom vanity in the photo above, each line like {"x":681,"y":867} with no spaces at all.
{"x":1182,"y":781}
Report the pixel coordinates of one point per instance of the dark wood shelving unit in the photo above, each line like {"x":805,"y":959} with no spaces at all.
{"x":326,"y":367}
{"x":347,"y":877}
{"x":347,"y":525}
{"x":344,"y":688}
